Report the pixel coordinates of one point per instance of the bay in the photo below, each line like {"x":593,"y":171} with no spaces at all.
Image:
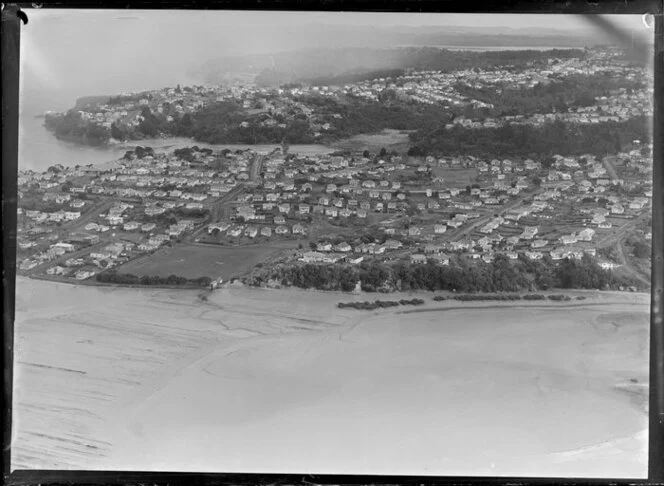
{"x":39,"y":149}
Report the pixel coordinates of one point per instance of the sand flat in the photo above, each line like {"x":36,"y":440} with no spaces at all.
{"x":283,"y":381}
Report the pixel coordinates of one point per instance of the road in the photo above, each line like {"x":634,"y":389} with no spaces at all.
{"x":465,"y":230}
{"x":62,"y":258}
{"x":608,"y":165}
{"x":256,"y":167}
{"x":100,"y":206}
{"x":218,"y":210}
{"x":618,"y":234}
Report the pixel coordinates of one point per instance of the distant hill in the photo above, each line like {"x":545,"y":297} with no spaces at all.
{"x":334,"y":50}
{"x":346,"y":65}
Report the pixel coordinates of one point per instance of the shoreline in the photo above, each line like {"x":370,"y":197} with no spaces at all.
{"x":170,"y":143}
{"x":358,"y":296}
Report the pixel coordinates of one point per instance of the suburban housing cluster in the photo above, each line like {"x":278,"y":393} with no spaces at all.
{"x":80,"y":221}
{"x":279,"y":107}
{"x":327,"y":206}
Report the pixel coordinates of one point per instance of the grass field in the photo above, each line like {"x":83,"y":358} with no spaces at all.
{"x":390,"y":139}
{"x":456,"y":177}
{"x":193,"y":261}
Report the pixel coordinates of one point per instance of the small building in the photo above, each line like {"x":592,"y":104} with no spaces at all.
{"x":418,"y":258}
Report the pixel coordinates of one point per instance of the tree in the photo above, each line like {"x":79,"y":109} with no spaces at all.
{"x":641,"y":249}
{"x":537,"y":181}
{"x":117,"y":133}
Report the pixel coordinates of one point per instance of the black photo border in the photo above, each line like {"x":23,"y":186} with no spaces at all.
{"x":16,"y":16}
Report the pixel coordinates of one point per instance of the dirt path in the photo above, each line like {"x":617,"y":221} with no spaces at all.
{"x":623,"y":230}
{"x":627,"y":264}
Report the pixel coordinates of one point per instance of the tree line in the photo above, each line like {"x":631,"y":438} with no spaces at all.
{"x":501,"y":275}
{"x":529,"y":140}
{"x":556,"y":96}
{"x":379,"y":304}
{"x":113,"y":276}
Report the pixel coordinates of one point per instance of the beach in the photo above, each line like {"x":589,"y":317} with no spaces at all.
{"x":282,"y":381}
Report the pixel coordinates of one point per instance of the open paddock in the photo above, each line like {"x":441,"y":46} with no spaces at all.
{"x":389,"y":139}
{"x":193,"y":261}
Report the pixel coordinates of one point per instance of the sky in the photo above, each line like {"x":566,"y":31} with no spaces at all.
{"x":66,"y":54}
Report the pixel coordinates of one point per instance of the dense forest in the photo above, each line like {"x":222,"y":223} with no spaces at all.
{"x":556,"y":96}
{"x":347,"y":115}
{"x":501,"y":275}
{"x":72,"y":127}
{"x":531,"y":141}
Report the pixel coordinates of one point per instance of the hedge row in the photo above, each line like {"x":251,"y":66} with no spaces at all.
{"x":378,"y":304}
{"x":475,"y":297}
{"x":560,"y":297}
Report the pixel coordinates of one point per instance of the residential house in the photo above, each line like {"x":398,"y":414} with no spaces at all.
{"x":312,"y":257}
{"x":299,"y":229}
{"x":57,"y":270}
{"x":251,"y":231}
{"x":131,"y":226}
{"x":586,"y":234}
{"x":418,"y":258}
{"x":529,"y":232}
{"x":392,"y":245}
{"x":428,"y":249}
{"x":568,"y":239}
